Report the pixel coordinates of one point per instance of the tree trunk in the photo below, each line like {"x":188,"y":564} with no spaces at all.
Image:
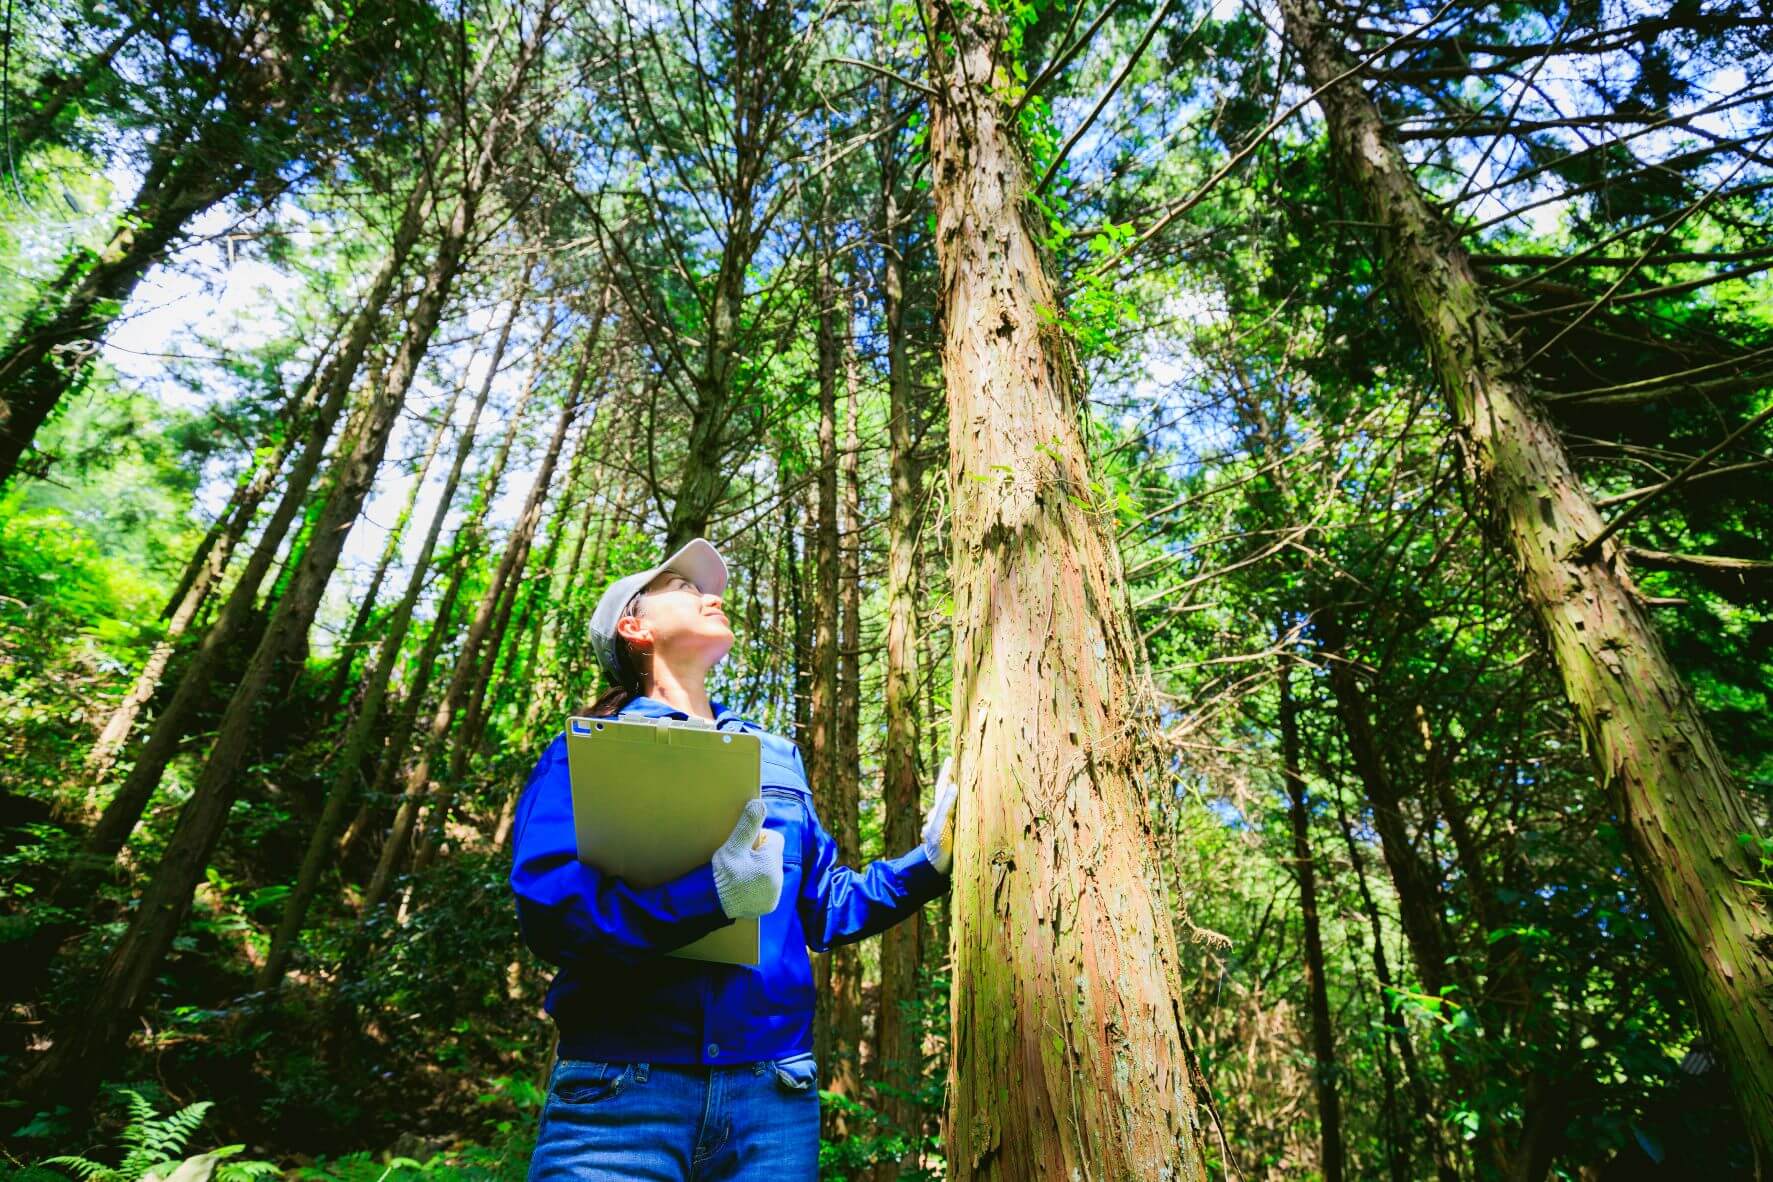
{"x":391,"y":546}
{"x":1399,"y":1032}
{"x":1665,"y":777}
{"x":393,"y":757}
{"x":1068,"y":1048}
{"x":845,"y":821}
{"x":1418,"y":886}
{"x":898,"y":1057}
{"x":84,"y":1051}
{"x":1323,"y":1040}
{"x":522,"y":660}
{"x":836,"y":980}
{"x":805,"y":508}
{"x":233,"y":626}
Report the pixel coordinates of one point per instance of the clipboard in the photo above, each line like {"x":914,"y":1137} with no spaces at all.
{"x":654,"y":798}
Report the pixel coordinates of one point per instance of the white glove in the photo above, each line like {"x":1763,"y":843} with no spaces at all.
{"x":938,"y":826}
{"x":748,"y":865}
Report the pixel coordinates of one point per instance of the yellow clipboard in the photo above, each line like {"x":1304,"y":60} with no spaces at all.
{"x":654,"y":798}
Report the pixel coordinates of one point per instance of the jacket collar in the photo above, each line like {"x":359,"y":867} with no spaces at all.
{"x":648,"y":707}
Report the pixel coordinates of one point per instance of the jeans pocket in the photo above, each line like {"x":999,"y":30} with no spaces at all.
{"x":586,"y":1081}
{"x":797,"y":1073}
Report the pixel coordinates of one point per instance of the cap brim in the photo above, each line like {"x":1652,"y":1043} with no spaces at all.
{"x":700,"y":563}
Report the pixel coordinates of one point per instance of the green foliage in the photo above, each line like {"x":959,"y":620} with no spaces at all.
{"x":154,"y":1148}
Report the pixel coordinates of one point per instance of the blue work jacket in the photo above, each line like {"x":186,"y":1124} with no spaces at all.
{"x":618,"y":997}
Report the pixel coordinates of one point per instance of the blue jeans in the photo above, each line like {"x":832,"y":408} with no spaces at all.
{"x":668,"y":1122}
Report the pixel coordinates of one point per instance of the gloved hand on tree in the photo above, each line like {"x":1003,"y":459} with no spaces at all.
{"x":938,"y":825}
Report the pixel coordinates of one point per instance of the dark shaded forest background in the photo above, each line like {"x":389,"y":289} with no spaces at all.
{"x":348,"y":350}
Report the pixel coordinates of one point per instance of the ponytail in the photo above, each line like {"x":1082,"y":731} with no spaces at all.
{"x":610,"y":702}
{"x":625,"y":688}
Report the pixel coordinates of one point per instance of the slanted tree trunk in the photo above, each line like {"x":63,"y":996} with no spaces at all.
{"x":232,"y":627}
{"x":52,"y":349}
{"x":391,"y":547}
{"x":203,"y":572}
{"x":125,"y":808}
{"x":1665,"y":777}
{"x":85,"y":1050}
{"x":1323,"y":1039}
{"x":1068,"y":1052}
{"x":479,"y":630}
{"x":342,"y":789}
{"x":393,"y":757}
{"x":523,"y":670}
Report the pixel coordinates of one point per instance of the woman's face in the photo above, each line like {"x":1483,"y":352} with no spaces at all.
{"x":686,"y":628}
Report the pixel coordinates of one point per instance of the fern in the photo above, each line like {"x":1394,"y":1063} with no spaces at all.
{"x":154,"y":1146}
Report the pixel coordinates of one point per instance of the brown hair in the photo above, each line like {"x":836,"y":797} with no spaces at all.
{"x":625,"y":687}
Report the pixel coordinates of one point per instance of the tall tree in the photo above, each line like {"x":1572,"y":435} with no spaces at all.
{"x":1069,"y":1056}
{"x":838,"y":976}
{"x":343,"y":786}
{"x":1323,"y":1037}
{"x":205,"y":570}
{"x":897,"y":1052}
{"x":713,"y":98}
{"x":1666,"y":778}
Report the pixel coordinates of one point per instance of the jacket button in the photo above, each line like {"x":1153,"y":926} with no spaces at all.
{"x":713,"y":1049}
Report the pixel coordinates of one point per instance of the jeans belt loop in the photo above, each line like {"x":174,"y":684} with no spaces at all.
{"x":640,"y":1073}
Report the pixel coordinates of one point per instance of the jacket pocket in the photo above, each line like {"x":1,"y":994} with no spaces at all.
{"x":788,"y":813}
{"x":797,"y":1073}
{"x":586,"y":1081}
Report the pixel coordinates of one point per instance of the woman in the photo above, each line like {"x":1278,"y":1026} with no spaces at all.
{"x":672,"y":1068}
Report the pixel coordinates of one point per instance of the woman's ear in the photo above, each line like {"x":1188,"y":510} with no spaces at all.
{"x":633,"y":629}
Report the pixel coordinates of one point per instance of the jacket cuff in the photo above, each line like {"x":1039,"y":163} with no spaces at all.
{"x":693,"y":895}
{"x":922,"y":879}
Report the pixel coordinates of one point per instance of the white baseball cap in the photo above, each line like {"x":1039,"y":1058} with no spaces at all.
{"x":698,"y":561}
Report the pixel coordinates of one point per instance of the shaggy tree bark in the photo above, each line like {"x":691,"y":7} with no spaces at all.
{"x":1664,"y":774}
{"x":1068,"y":1052}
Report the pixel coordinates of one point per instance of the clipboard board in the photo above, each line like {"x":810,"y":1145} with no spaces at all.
{"x":654,"y":798}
